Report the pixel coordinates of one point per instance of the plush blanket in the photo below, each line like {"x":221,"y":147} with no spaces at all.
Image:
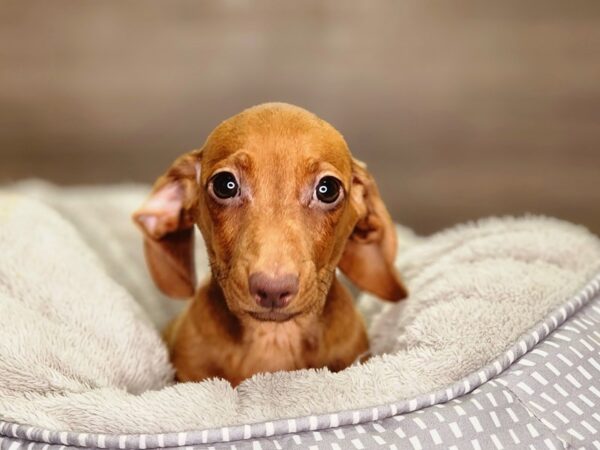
{"x":79,"y":318}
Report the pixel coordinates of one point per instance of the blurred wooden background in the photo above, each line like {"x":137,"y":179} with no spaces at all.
{"x":461,"y":109}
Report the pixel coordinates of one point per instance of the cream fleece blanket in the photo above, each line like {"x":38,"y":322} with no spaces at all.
{"x":80,"y":351}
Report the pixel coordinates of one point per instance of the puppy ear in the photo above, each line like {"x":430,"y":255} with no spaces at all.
{"x":167,"y":220}
{"x":368,"y":258}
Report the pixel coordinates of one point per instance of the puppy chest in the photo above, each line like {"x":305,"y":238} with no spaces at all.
{"x":279,"y":346}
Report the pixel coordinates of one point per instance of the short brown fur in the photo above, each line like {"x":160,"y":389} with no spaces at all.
{"x":275,"y":226}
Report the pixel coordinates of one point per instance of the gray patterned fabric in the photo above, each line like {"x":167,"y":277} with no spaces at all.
{"x":544,"y":392}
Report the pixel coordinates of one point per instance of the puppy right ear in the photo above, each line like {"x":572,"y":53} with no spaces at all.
{"x":368,"y":259}
{"x":167,"y":220}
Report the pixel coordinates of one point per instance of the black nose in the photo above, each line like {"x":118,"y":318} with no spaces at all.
{"x":273,"y":292}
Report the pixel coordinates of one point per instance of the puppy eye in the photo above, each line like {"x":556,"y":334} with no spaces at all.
{"x":224,"y":185}
{"x":328,"y":189}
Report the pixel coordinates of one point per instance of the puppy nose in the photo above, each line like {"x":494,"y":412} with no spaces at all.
{"x":273,"y":292}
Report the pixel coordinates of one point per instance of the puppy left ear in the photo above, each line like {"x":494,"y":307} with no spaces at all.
{"x":167,"y":220}
{"x":368,"y":258}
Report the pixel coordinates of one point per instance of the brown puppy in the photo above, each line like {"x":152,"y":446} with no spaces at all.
{"x":280,"y":203}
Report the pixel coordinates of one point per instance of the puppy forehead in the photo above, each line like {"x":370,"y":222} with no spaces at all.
{"x":277,"y":135}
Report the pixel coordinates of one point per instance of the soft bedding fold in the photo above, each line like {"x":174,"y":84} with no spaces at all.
{"x":80,"y":351}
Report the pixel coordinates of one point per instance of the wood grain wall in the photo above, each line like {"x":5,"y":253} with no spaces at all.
{"x":461,"y":109}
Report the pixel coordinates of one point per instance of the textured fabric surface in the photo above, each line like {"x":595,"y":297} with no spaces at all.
{"x":547,"y":399}
{"x":474,"y":290}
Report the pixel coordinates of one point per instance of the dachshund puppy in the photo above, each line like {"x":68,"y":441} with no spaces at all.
{"x":280,"y":203}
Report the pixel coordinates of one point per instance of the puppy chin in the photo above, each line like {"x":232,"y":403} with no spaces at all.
{"x":272,"y":316}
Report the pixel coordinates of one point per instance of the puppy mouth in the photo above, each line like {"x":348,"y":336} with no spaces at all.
{"x":272,"y":316}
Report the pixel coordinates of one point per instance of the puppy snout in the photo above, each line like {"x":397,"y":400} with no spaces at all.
{"x":273,"y":292}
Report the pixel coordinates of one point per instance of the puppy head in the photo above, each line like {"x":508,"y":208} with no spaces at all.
{"x":280,"y":203}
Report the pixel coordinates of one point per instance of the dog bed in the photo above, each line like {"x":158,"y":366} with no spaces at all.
{"x":498,"y":345}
